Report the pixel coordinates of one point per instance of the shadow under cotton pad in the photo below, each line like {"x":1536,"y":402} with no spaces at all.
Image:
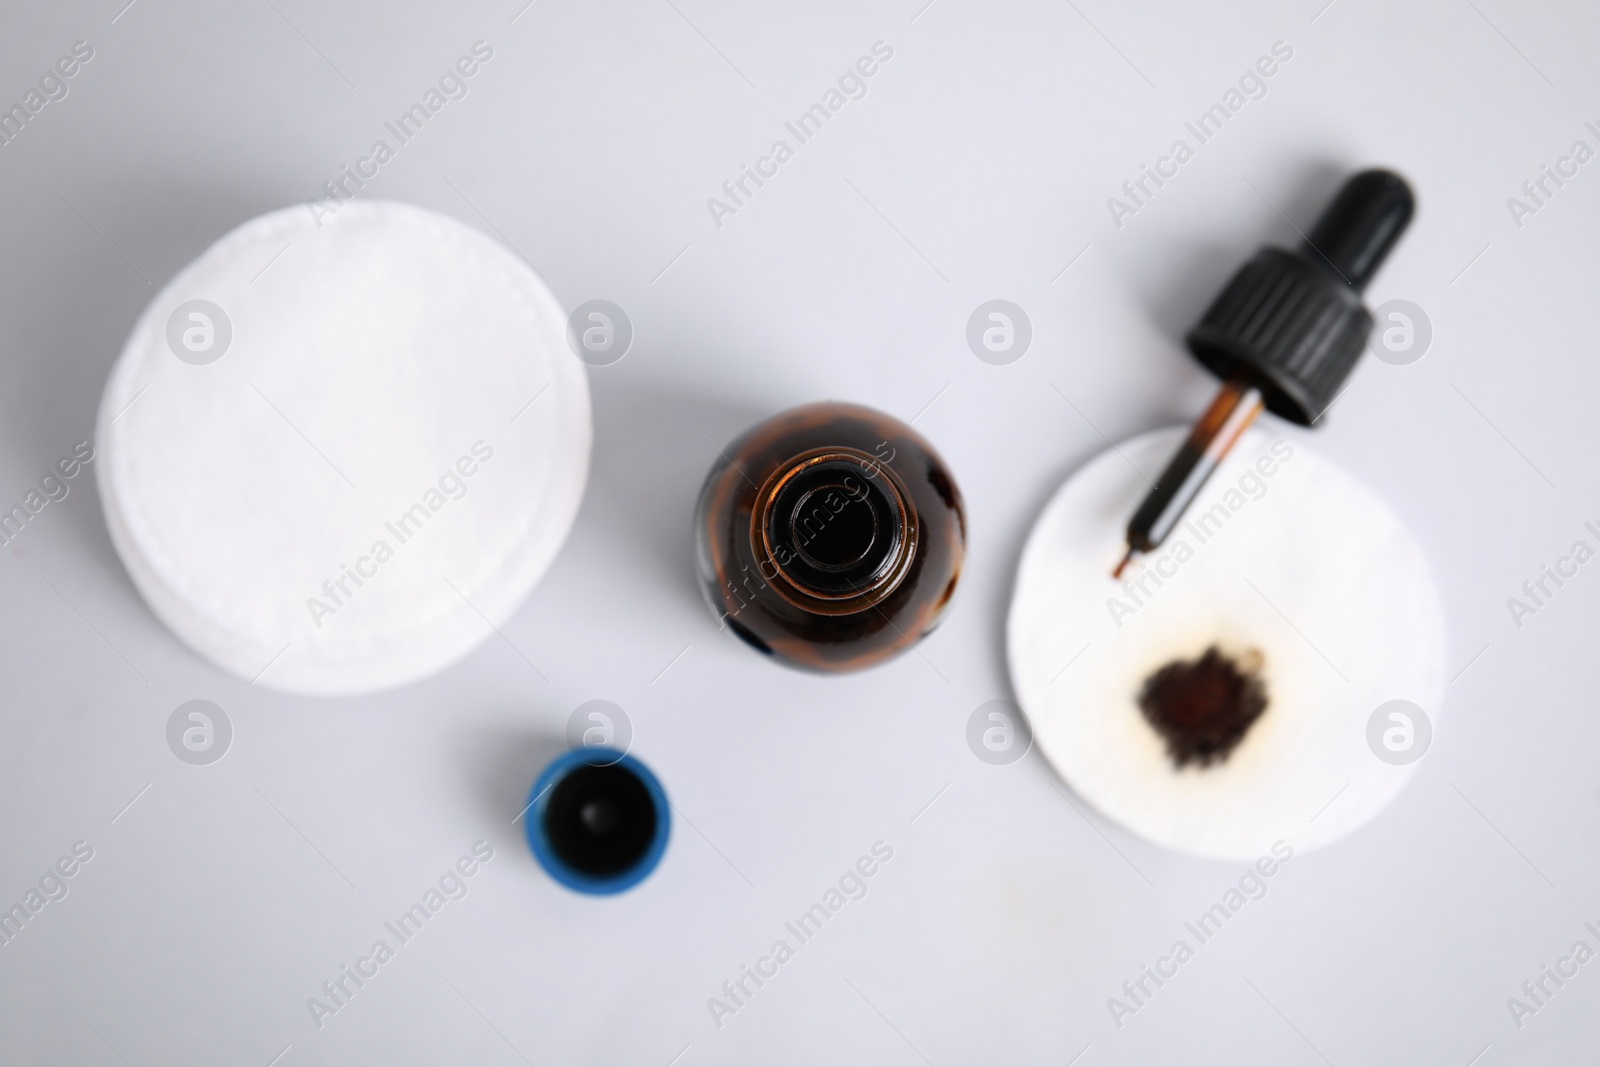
{"x":333,"y":459}
{"x":1220,"y":698}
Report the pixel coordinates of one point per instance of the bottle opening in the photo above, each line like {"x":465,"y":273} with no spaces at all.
{"x":835,"y":527}
{"x":834,"y":540}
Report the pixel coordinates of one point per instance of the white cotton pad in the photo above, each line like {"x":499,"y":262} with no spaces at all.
{"x":334,"y":459}
{"x":1283,"y":554}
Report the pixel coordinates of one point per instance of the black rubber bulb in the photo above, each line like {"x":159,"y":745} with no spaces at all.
{"x":1357,"y":230}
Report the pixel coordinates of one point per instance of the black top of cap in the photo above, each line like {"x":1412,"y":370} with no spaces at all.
{"x":1292,"y":323}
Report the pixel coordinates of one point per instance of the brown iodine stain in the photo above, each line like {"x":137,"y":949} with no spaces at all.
{"x":1203,"y":708}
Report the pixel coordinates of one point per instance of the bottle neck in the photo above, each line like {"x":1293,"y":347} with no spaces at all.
{"x":833,"y":531}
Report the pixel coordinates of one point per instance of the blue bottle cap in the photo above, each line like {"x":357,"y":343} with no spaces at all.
{"x":598,"y":820}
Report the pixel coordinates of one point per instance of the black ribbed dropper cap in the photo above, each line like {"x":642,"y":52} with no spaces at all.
{"x":1292,"y":323}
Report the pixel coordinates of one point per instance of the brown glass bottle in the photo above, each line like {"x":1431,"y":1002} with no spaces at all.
{"x":830,"y":537}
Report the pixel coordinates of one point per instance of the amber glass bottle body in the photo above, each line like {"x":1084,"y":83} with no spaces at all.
{"x":830,"y":537}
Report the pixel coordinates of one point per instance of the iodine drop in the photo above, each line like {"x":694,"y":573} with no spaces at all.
{"x":333,"y":458}
{"x":1218,"y":698}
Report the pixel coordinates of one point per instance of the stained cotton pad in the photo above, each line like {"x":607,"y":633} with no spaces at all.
{"x":334,"y":459}
{"x":1284,"y":564}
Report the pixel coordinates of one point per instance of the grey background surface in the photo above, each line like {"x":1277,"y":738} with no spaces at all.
{"x":977,"y":166}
